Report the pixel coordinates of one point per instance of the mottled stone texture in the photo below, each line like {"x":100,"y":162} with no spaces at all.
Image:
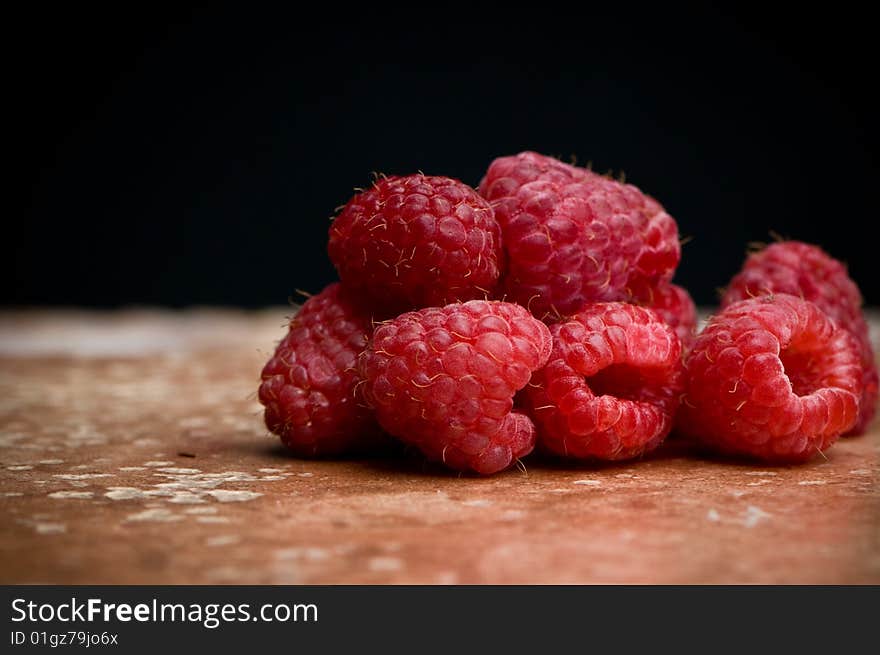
{"x":132,"y":450}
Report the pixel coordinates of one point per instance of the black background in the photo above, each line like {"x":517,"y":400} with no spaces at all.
{"x":190,"y":157}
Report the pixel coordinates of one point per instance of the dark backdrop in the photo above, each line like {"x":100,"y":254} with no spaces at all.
{"x":194,"y":157}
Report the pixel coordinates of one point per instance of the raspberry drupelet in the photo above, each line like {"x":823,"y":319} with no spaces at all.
{"x":675,"y":307}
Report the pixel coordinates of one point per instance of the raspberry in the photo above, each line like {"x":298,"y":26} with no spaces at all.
{"x":807,"y":271}
{"x":675,"y":307}
{"x":417,"y":241}
{"x":308,"y":384}
{"x":443,"y":379}
{"x":772,"y":378}
{"x":507,"y":174}
{"x":611,"y":386}
{"x":573,"y":237}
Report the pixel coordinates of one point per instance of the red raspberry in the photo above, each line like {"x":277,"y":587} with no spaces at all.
{"x":507,"y":174}
{"x":417,"y":241}
{"x":807,"y":271}
{"x":443,"y":379}
{"x":675,"y":307}
{"x":308,"y":384}
{"x":773,"y":378}
{"x":611,"y":386}
{"x":573,"y":237}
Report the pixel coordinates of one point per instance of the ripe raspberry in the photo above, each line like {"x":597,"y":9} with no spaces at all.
{"x":417,"y":241}
{"x":308,"y":384}
{"x":611,"y":386}
{"x":443,"y":379}
{"x":573,"y":237}
{"x":772,"y":378}
{"x":507,"y":174}
{"x":675,"y":307}
{"x":807,"y":271}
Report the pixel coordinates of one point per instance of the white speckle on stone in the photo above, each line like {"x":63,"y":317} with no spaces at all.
{"x":158,"y":462}
{"x":477,"y":502}
{"x":80,"y":467}
{"x":588,"y":483}
{"x":179,"y":471}
{"x":305,"y":475}
{"x":713,"y":515}
{"x":272,"y":477}
{"x":158,"y":515}
{"x":737,"y":493}
{"x":186,"y":498}
{"x":860,"y":472}
{"x":759,"y":483}
{"x":71,"y":494}
{"x":233,"y":496}
{"x":309,"y":553}
{"x":270,"y":470}
{"x":19,"y":467}
{"x":81,"y":476}
{"x":124,"y":493}
{"x":50,"y":528}
{"x":128,"y":469}
{"x":811,"y":483}
{"x":51,"y":461}
{"x":512,"y":515}
{"x":42,"y":526}
{"x":10,"y":494}
{"x":760,"y":473}
{"x":200,"y":510}
{"x":212,"y":519}
{"x":385,"y":564}
{"x":624,"y":475}
{"x":222,"y":540}
{"x":754,"y":515}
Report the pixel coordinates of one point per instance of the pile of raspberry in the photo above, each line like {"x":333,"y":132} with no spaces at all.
{"x":537,"y":312}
